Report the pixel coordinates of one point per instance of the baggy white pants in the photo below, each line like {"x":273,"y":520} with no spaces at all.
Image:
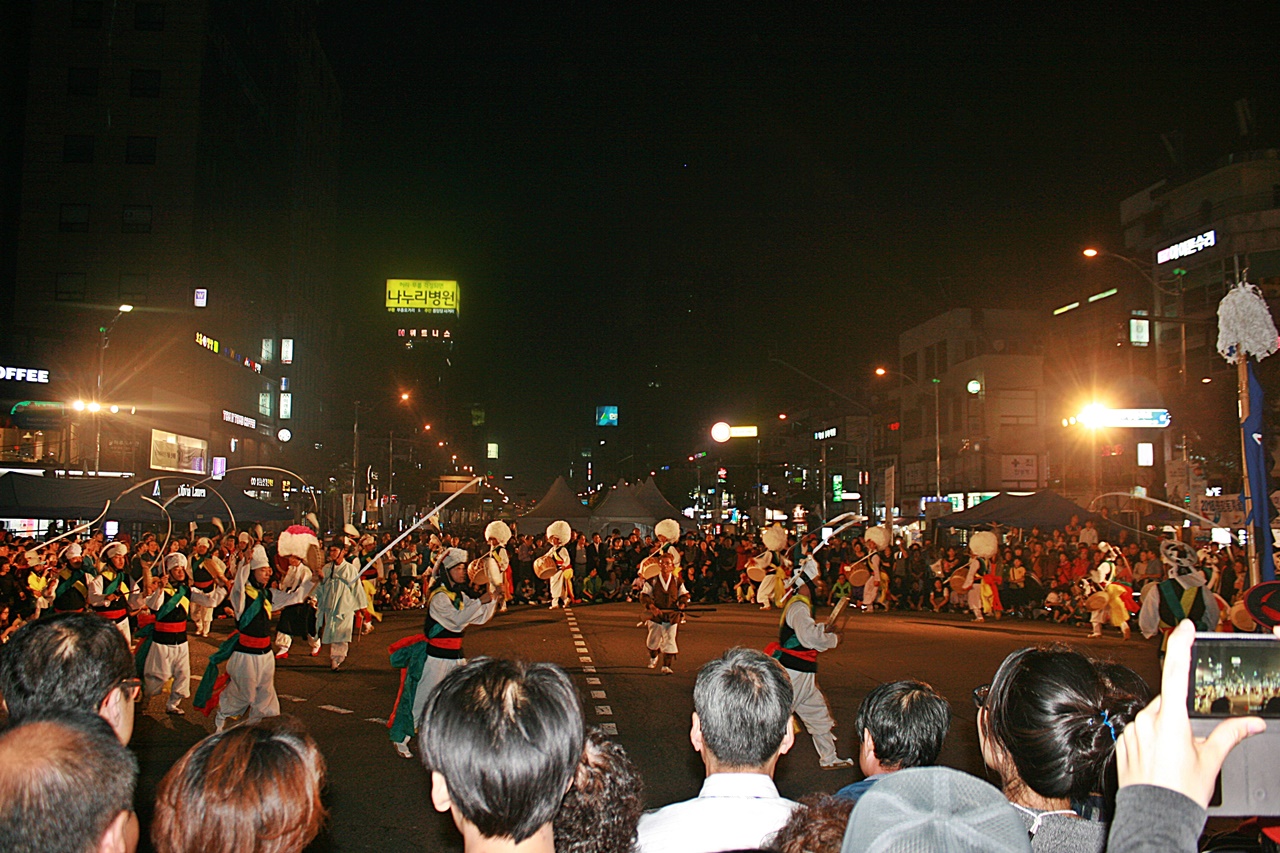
{"x":338,"y":653}
{"x":165,"y":662}
{"x":662,"y":638}
{"x":284,"y":641}
{"x":433,"y":672}
{"x":123,"y":626}
{"x":810,"y":706}
{"x":251,"y":687}
{"x":203,"y":617}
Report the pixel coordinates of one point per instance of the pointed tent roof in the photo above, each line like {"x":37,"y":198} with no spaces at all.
{"x":558,"y":503}
{"x":622,"y":505}
{"x":1042,"y":509}
{"x":653,"y":499}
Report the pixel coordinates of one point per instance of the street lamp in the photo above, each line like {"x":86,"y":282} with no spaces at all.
{"x":104,"y":340}
{"x":722,"y":432}
{"x":937,"y":425}
{"x":355,"y":450}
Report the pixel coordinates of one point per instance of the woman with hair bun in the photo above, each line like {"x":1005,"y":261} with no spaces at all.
{"x":1048,"y":725}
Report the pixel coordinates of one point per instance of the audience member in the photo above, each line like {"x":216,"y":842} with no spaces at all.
{"x":70,"y":663}
{"x":816,"y":825}
{"x":249,"y":789}
{"x":72,"y":794}
{"x":741,"y":725}
{"x":525,"y":721}
{"x":901,"y":725}
{"x":600,"y":812}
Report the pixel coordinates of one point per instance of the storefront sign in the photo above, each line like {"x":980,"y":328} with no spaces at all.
{"x":1190,"y":246}
{"x":24,"y":374}
{"x":239,"y":419}
{"x":822,"y":435}
{"x":180,"y":453}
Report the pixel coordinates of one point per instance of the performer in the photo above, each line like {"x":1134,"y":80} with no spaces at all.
{"x":71,"y":594}
{"x":206,"y":572}
{"x":665,"y":597}
{"x":1184,"y":594}
{"x":558,"y":536}
{"x":981,"y":580}
{"x":111,"y":589}
{"x":338,"y":597}
{"x":498,"y":534}
{"x":164,"y":652}
{"x":800,"y":639}
{"x":296,"y":619}
{"x":1115,"y":597}
{"x":773,"y":562}
{"x":428,"y":657}
{"x":877,"y":539}
{"x":248,"y":687}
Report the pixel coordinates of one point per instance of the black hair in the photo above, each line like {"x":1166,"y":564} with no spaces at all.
{"x":908,"y":722}
{"x":602,"y":808}
{"x":1057,"y":714}
{"x":507,"y":737}
{"x":61,"y":796}
{"x":65,"y":663}
{"x":743,"y":701}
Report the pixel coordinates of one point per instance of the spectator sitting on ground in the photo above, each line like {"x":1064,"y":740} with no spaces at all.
{"x":901,"y":724}
{"x":741,"y":725}
{"x":73,"y":792}
{"x":253,"y":788}
{"x":601,"y":809}
{"x":816,"y":825}
{"x":502,"y":740}
{"x":70,"y":663}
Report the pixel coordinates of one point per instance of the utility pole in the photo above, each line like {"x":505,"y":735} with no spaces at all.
{"x":355,"y":461}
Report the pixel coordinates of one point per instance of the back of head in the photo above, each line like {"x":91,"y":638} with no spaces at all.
{"x":249,"y":788}
{"x":602,"y":809}
{"x":934,"y":810}
{"x":908,"y":722}
{"x":63,"y":781}
{"x":526,"y":721}
{"x":1057,"y":714}
{"x":743,"y":702}
{"x":64,"y":664}
{"x":816,"y":826}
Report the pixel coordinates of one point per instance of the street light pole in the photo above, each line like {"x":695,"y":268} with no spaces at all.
{"x":355,"y":460}
{"x":937,"y":425}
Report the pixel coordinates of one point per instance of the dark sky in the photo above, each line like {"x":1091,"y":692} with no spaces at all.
{"x":643,"y":202}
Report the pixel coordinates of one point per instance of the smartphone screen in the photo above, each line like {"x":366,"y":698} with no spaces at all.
{"x":1234,"y":675}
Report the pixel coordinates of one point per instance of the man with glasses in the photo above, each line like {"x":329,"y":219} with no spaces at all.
{"x":70,"y":663}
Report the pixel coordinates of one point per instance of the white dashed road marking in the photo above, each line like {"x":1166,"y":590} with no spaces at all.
{"x":593,"y":681}
{"x":335,"y":709}
{"x":377,"y":720}
{"x":598,"y":694}
{"x":609,"y":728}
{"x":286,"y":697}
{"x":588,"y":669}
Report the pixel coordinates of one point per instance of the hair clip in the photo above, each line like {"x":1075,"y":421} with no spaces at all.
{"x":1109,"y":723}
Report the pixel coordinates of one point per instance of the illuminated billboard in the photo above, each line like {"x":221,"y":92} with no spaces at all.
{"x":415,"y":296}
{"x":607,"y":416}
{"x":181,"y":453}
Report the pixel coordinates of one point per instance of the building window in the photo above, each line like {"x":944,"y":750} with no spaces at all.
{"x":77,"y":148}
{"x":1015,"y":407}
{"x":144,"y":83}
{"x":286,"y":406}
{"x":140,"y":150}
{"x":70,"y":287}
{"x":148,"y":17}
{"x":264,"y":403}
{"x":73,"y":218}
{"x":909,"y":368}
{"x":137,"y":219}
{"x":268,"y":349}
{"x":86,"y":14}
{"x":82,"y":82}
{"x":134,"y":288}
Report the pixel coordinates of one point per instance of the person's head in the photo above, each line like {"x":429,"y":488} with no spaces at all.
{"x":251,"y":787}
{"x":817,"y":825}
{"x":175,"y":567}
{"x":526,"y":721}
{"x":70,"y":793}
{"x":69,"y":663}
{"x":901,"y":724}
{"x":600,"y":812}
{"x":117,"y":554}
{"x":742,"y":712}
{"x":1050,"y":721}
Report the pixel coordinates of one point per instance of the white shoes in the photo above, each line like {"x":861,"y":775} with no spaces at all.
{"x":837,"y":764}
{"x":653,"y":663}
{"x":666,"y":670}
{"x":402,"y":749}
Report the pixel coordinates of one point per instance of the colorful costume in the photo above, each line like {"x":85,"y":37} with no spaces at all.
{"x":1119,"y":601}
{"x":1183,"y":595}
{"x":164,"y":653}
{"x":776,"y":565}
{"x":981,"y":582}
{"x":339,"y":597}
{"x":111,"y":590}
{"x":667,"y":594}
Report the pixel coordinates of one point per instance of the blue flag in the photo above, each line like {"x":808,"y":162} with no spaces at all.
{"x":1255,"y":459}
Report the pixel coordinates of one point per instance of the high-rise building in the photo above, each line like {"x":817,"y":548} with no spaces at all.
{"x":180,"y":158}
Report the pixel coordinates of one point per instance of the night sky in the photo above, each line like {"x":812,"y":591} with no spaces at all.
{"x":643,"y":203}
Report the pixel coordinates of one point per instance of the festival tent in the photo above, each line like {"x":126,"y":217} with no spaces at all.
{"x":622,"y":508}
{"x":558,"y":503}
{"x":30,"y":496}
{"x":1045,"y":510}
{"x":652,"y":499}
{"x":247,"y":510}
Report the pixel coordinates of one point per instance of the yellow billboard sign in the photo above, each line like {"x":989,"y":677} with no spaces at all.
{"x":415,"y":296}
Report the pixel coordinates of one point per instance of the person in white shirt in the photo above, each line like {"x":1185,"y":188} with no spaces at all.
{"x":741,"y":725}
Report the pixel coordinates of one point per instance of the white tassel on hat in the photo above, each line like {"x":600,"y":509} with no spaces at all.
{"x":560,"y":531}
{"x":498,"y":530}
{"x":1244,"y":322}
{"x":668,"y":529}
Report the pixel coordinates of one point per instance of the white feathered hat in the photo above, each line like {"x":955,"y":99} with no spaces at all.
{"x":878,"y":537}
{"x":984,"y":544}
{"x":774,"y":537}
{"x":295,"y":540}
{"x":258,"y":558}
{"x":115,"y":548}
{"x":175,"y":560}
{"x":668,"y":529}
{"x":560,"y":531}
{"x":497,"y":530}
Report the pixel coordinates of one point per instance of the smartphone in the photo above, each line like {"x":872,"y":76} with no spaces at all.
{"x":1236,"y":675}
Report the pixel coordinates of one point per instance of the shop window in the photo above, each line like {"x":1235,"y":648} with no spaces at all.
{"x":144,"y":83}
{"x":137,"y":219}
{"x":134,"y":288}
{"x":148,"y":17}
{"x":77,"y":148}
{"x":73,"y":218}
{"x":82,"y":82}
{"x":70,"y":287}
{"x":86,"y":14}
{"x":140,"y":150}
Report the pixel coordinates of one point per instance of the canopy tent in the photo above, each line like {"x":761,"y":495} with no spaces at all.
{"x":1045,"y":510}
{"x":622,"y":508}
{"x":559,"y":503}
{"x":652,"y":499}
{"x":30,"y":496}
{"x":247,"y":510}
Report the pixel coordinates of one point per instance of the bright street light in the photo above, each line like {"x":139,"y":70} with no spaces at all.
{"x":1090,"y":253}
{"x":720,"y":432}
{"x":126,"y":308}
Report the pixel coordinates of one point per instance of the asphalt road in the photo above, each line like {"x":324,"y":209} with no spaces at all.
{"x":378,"y":801}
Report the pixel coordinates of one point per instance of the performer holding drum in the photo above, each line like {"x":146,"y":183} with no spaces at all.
{"x":556,"y":566}
{"x":980,"y":579}
{"x":1107,"y":599}
{"x":497,"y":563}
{"x":664,"y":597}
{"x":771,"y":568}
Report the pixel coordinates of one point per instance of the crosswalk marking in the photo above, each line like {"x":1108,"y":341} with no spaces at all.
{"x":588,"y":669}
{"x":335,"y":709}
{"x":609,"y":728}
{"x":598,"y":694}
{"x":604,"y":711}
{"x":584,"y":658}
{"x":286,"y":697}
{"x":593,"y":681}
